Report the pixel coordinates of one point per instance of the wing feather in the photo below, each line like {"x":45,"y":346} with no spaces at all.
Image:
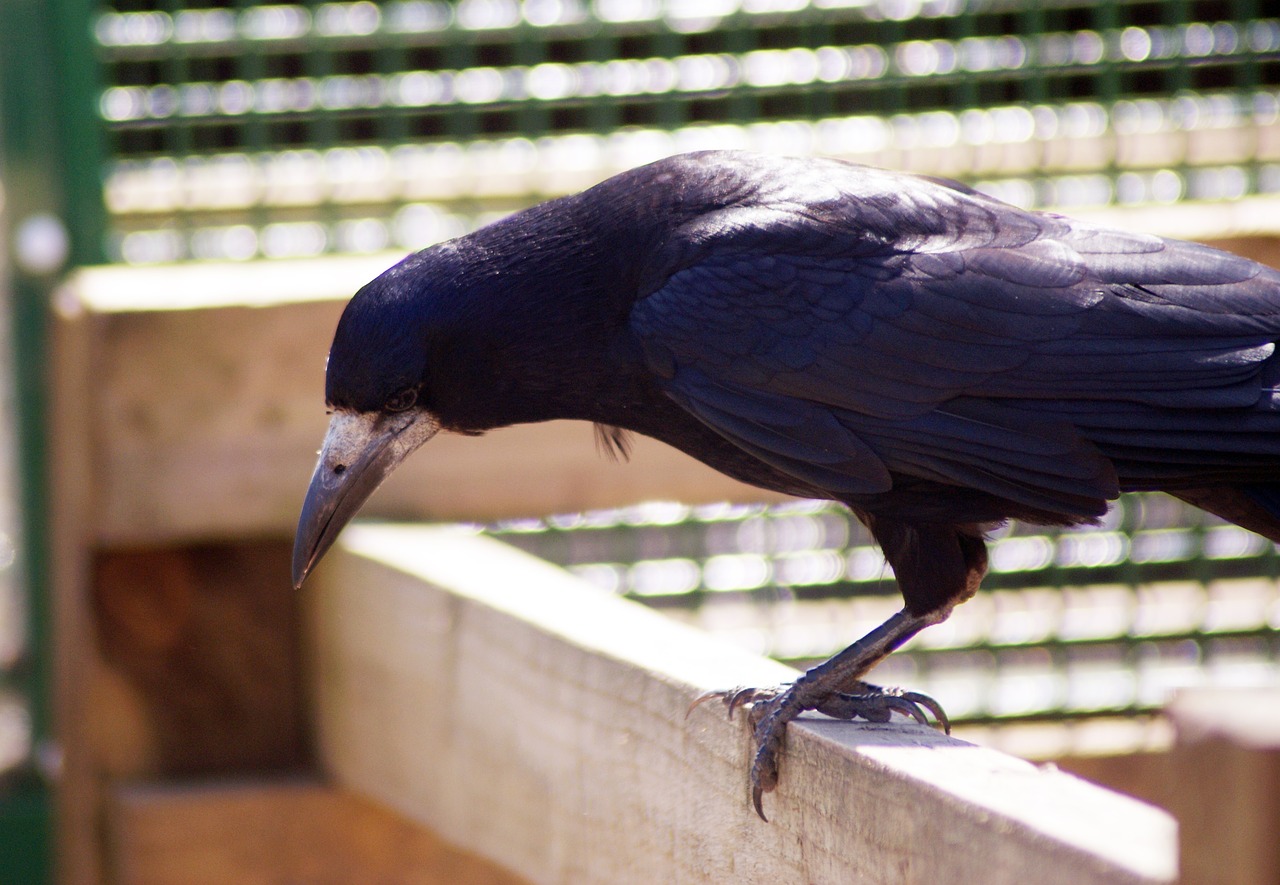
{"x":918,"y":330}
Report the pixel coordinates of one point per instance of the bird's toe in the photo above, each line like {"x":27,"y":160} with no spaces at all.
{"x":770,"y":709}
{"x":876,"y":704}
{"x":770,"y":723}
{"x":734,"y":698}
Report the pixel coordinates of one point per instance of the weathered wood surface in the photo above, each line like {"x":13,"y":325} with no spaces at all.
{"x":208,"y":406}
{"x":276,"y":833}
{"x":1226,"y":765}
{"x":541,"y":724}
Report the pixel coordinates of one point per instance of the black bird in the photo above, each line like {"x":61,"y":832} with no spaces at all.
{"x":933,"y":358}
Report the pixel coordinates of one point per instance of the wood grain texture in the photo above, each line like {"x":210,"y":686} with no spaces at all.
{"x":1225,"y":764}
{"x":541,"y":724}
{"x":276,"y":833}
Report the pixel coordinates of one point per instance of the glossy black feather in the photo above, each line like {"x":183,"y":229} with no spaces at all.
{"x":1035,"y":316}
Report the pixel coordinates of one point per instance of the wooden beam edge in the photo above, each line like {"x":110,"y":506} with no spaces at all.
{"x":1224,"y":769}
{"x":205,"y":285}
{"x":72,"y":490}
{"x":541,"y":723}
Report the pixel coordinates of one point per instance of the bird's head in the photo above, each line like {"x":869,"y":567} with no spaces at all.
{"x":507,"y":325}
{"x":377,"y":388}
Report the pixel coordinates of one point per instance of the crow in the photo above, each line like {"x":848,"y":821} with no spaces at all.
{"x":935,"y":359}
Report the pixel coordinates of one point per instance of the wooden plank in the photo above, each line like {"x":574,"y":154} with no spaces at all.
{"x":527,"y":717}
{"x":1128,"y":754}
{"x":1240,"y":226}
{"x":276,"y":833}
{"x":1225,"y":776}
{"x":190,"y":664}
{"x":72,"y":490}
{"x":1145,"y":775}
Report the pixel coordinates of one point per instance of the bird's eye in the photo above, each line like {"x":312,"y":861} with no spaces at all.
{"x":402,"y":400}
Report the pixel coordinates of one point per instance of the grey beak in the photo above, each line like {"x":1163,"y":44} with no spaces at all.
{"x":360,"y":450}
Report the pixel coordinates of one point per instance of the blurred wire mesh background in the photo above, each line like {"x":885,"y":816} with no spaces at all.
{"x":292,"y":129}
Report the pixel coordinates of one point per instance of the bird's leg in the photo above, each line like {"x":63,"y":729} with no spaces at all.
{"x":938,"y":566}
{"x":834,"y":687}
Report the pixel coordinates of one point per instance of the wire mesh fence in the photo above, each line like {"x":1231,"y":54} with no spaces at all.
{"x":298,"y":129}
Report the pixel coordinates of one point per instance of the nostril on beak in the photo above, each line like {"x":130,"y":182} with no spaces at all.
{"x":339,"y":469}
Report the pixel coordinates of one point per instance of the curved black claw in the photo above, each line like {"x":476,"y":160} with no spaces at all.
{"x":923,"y":700}
{"x":773,"y":708}
{"x":734,"y":698}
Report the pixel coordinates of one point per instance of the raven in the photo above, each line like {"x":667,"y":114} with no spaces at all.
{"x":933,"y":358}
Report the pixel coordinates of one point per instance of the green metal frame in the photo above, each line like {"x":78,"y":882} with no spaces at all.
{"x":51,"y":151}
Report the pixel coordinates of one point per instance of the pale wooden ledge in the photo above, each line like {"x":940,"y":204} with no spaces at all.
{"x":540,"y":724}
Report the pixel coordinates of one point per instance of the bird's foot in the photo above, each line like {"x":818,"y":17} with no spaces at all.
{"x":740,"y":697}
{"x":772,"y":708}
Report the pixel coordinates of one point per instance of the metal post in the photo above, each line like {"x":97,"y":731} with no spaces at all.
{"x":51,"y":160}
